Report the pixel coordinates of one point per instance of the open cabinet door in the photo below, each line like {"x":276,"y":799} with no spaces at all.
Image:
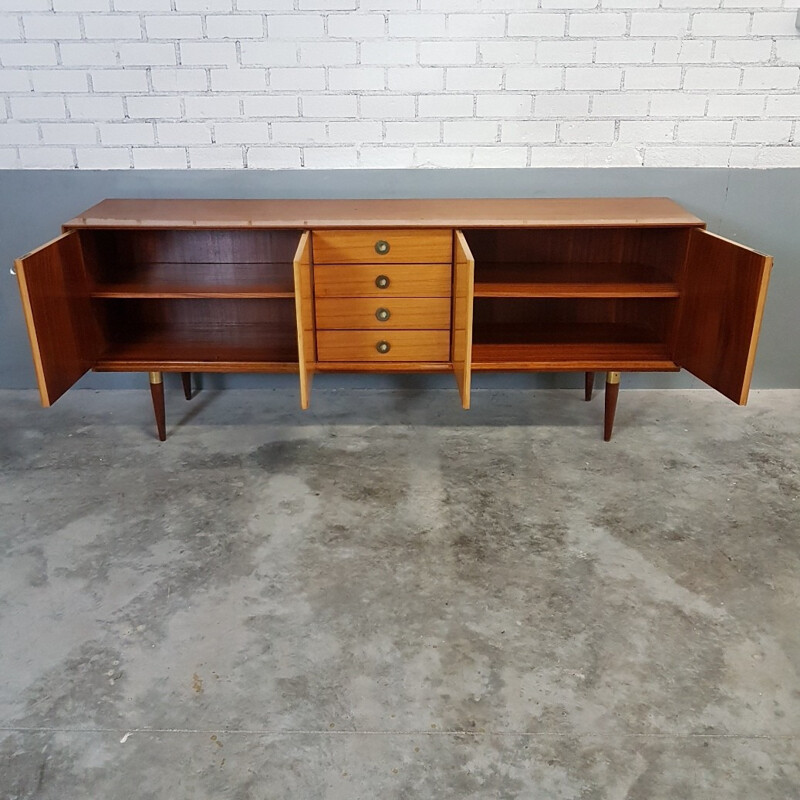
{"x":722,"y":302}
{"x":304,"y":306}
{"x":463,"y":291}
{"x":64,"y":334}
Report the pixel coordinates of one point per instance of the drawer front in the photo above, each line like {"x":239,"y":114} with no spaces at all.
{"x":419,"y":346}
{"x":387,"y":313}
{"x":382,"y":280}
{"x":387,"y":246}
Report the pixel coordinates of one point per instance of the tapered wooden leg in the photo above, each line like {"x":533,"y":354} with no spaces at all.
{"x":186,"y":377}
{"x":157,"y":392}
{"x":589,"y":386}
{"x":612,"y":393}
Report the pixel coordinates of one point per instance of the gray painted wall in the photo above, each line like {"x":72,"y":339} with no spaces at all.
{"x":760,"y":208}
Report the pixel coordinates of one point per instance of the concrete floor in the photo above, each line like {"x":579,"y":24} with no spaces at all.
{"x":389,"y":597}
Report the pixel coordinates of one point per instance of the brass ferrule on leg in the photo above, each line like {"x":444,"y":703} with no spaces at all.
{"x":155,"y":377}
{"x":612,"y":377}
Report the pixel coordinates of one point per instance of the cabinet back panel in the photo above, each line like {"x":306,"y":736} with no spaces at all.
{"x":662,"y":249}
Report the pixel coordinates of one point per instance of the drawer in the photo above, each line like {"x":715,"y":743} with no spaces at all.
{"x":385,"y":246}
{"x":387,"y":313}
{"x":402,"y":346}
{"x":382,"y":280}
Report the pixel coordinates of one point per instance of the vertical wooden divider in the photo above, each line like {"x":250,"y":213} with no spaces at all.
{"x":304,"y":306}
{"x":463,"y":293}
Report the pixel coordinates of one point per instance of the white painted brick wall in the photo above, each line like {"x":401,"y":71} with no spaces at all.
{"x":286,"y":84}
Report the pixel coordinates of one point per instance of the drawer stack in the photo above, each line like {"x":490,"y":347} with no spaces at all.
{"x":383,"y":295}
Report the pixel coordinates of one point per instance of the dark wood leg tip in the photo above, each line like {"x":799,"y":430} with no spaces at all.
{"x":612,"y":393}
{"x":157,"y":393}
{"x":186,"y":377}
{"x":589,"y":386}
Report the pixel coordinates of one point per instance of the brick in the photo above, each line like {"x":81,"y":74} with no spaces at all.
{"x":142,"y":5}
{"x":499,"y":156}
{"x":326,"y":54}
{"x":504,"y":106}
{"x":508,"y":52}
{"x":81,"y":5}
{"x":625,"y":52}
{"x":27,"y":108}
{"x":677,"y":104}
{"x":241,"y":132}
{"x":159,"y":158}
{"x":207,"y":6}
{"x":207,"y":53}
{"x":705,"y":131}
{"x":88,"y":54}
{"x":537,"y":24}
{"x":686,"y":156}
{"x":273,"y":157}
{"x":764,"y":131}
{"x":416,"y":79}
{"x":271,"y":106}
{"x":788,"y":50}
{"x":295,"y":26}
{"x":183,"y":133}
{"x":683,"y":51}
{"x":126,"y":133}
{"x":667,"y":23}
{"x":474,"y":78}
{"x":470,"y":131}
{"x":388,"y":53}
{"x":618,"y":105}
{"x":179,"y":80}
{"x":533,"y":78}
{"x":174,"y":26}
{"x":387,"y":106}
{"x":736,"y":105}
{"x":119,"y":80}
{"x":247,"y":79}
{"x":772,"y":23}
{"x":344,"y":78}
{"x":356,"y":26}
{"x":561,"y":105}
{"x":330,"y":157}
{"x":384,"y":157}
{"x":564,"y":52}
{"x":711,"y":78}
{"x":439,"y":156}
{"x":588,"y":132}
{"x":652,"y":77}
{"x":268,"y":53}
{"x":298,"y":132}
{"x":147,"y":54}
{"x":724,"y":23}
{"x":424,"y":131}
{"x":113,"y":27}
{"x":154,"y":107}
{"x":445,"y":53}
{"x":211,"y":106}
{"x":597,"y":24}
{"x":646,"y":131}
{"x":737,"y":50}
{"x":68,"y":133}
{"x":216,"y":157}
{"x":527,"y":131}
{"x":475,"y":26}
{"x":770,"y":77}
{"x":51,"y":26}
{"x":446,"y":105}
{"x":96,"y":108}
{"x":61,"y":80}
{"x":329,"y":106}
{"x":297,"y":78}
{"x":783,"y":106}
{"x":46,"y":158}
{"x":417,"y":26}
{"x":593,"y":78}
{"x":103,"y":157}
{"x":28,"y":54}
{"x":235,"y":26}
{"x":359,"y":131}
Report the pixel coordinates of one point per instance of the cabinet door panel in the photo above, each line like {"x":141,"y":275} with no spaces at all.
{"x":64,"y":334}
{"x":722,"y":302}
{"x":463,"y":292}
{"x":304,"y":305}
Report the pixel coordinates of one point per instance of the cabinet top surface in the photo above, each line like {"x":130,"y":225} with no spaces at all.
{"x":440,"y":213}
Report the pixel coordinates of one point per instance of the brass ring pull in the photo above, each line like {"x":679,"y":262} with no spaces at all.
{"x":382,"y":282}
{"x":383,"y":314}
{"x":383,"y":347}
{"x":382,"y":247}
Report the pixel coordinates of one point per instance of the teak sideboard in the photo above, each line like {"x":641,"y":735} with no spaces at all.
{"x":599,"y":284}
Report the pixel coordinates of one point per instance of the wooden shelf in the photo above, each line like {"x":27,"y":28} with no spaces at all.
{"x":192,"y":280}
{"x":571,"y":280}
{"x":232,"y":348}
{"x":570,"y":347}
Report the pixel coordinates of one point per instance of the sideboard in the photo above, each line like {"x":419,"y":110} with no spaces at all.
{"x":442,"y":286}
